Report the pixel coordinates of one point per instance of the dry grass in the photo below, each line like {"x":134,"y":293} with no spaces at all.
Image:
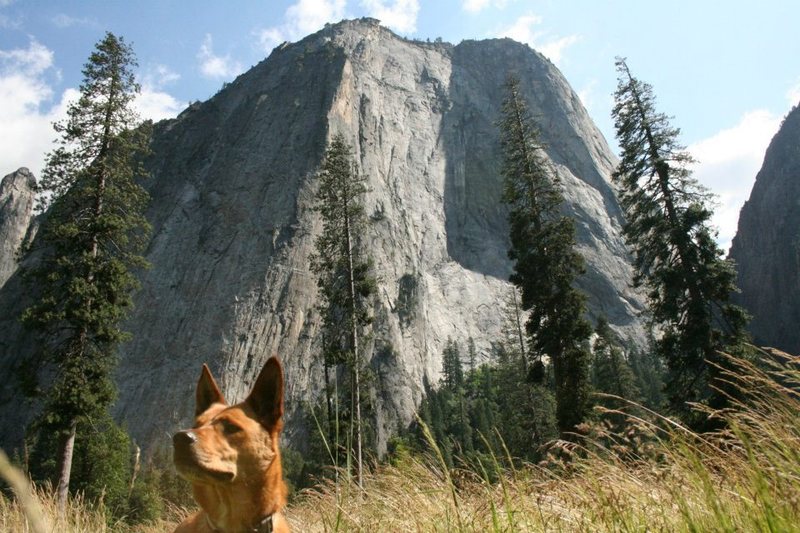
{"x":78,"y":518}
{"x":658,"y":476}
{"x":34,"y":510}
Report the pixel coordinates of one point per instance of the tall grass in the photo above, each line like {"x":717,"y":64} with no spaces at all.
{"x":655,"y":475}
{"x":34,"y":510}
{"x":79,"y":517}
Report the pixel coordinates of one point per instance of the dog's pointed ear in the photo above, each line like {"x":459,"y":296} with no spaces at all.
{"x":207,"y":392}
{"x":266,"y":398}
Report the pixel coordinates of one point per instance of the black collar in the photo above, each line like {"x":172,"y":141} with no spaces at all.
{"x":263,"y":526}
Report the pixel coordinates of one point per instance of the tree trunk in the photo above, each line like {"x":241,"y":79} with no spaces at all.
{"x":328,"y":400}
{"x":519,"y":330}
{"x":354,"y":345}
{"x":65,"y":467}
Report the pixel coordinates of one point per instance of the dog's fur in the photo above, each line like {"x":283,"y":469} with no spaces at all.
{"x":231,"y":457}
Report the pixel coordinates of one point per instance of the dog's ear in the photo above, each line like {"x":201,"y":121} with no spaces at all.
{"x":266,"y":398}
{"x":207,"y":392}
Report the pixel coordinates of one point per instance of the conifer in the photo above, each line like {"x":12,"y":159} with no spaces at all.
{"x":343,"y":273}
{"x":677,"y":259}
{"x":90,"y":244}
{"x":546,"y":263}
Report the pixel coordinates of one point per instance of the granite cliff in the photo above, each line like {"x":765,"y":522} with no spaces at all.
{"x":17,"y":192}
{"x":767,"y":243}
{"x":233,"y":182}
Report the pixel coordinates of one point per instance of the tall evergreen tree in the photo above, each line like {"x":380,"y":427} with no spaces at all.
{"x":545,"y":261}
{"x":343,"y":273}
{"x":648,"y":369}
{"x":611,"y":373}
{"x":452,"y":369}
{"x":91,"y":240}
{"x":676,"y":256}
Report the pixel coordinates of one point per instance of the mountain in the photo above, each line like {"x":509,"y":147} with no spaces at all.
{"x":766,"y":247}
{"x":17,"y":192}
{"x":233,"y":184}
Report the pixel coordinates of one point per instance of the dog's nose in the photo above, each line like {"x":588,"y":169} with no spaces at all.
{"x":183,"y":439}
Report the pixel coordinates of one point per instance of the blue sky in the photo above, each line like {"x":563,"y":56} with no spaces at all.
{"x":727,"y":70}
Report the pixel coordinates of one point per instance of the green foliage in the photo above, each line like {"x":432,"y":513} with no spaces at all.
{"x":452,"y":370}
{"x":90,"y":243}
{"x":648,"y":369}
{"x":611,"y":373}
{"x":346,"y":286}
{"x":157,"y":486}
{"x":491,"y":410}
{"x":339,"y":255}
{"x":676,"y":258}
{"x":407,"y":298}
{"x":102,"y":468}
{"x":293,"y":465}
{"x":545,"y":261}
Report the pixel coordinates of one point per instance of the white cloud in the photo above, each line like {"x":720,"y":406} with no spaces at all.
{"x":523,"y":30}
{"x":555,"y":49}
{"x":30,"y":106}
{"x":476,"y":6}
{"x":214,"y":66}
{"x":153,"y":102}
{"x":8,"y":22}
{"x":30,"y":61}
{"x":158,"y":76}
{"x":156,"y":105}
{"x":62,"y":20}
{"x":269,"y":38}
{"x":728,"y":162}
{"x":307,"y":16}
{"x":27,"y":132}
{"x":400,"y":15}
{"x":300,"y":19}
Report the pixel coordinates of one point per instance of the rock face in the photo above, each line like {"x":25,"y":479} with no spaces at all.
{"x":767,"y":243}
{"x":233,"y":183}
{"x":17,"y":191}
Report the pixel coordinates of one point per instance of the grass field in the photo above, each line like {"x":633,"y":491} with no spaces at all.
{"x":657,"y":476}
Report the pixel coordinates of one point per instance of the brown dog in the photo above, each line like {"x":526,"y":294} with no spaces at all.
{"x":232,"y":460}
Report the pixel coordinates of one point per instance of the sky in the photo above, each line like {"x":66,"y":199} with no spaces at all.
{"x":728,"y":71}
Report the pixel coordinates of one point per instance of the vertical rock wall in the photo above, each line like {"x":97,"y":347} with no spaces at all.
{"x":233,"y":184}
{"x":767,"y":243}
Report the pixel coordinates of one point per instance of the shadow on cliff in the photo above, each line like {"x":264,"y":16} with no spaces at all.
{"x":475,"y":218}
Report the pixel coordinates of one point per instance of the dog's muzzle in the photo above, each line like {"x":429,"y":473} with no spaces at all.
{"x":184,"y":438}
{"x":182,"y":443}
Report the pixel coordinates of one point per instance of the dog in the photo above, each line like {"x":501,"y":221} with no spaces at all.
{"x":232,"y":458}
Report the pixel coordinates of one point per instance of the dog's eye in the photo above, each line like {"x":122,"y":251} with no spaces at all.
{"x":229,"y":427}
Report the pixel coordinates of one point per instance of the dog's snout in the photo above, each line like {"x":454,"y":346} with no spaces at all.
{"x":184,"y":439}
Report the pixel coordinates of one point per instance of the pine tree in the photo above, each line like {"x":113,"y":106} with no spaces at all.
{"x":91,"y":241}
{"x":676,"y":256}
{"x":452,"y":369}
{"x":648,"y":368}
{"x":545,"y":261}
{"x":343,"y":273}
{"x":611,"y":373}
